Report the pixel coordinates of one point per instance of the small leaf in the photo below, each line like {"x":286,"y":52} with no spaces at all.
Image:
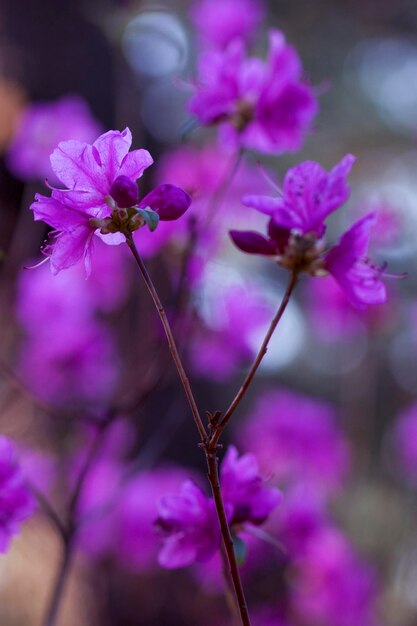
{"x":241,"y":549}
{"x":150,"y":217}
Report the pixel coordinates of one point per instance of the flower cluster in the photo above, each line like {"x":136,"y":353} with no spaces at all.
{"x":297,"y":226}
{"x":263,"y":105}
{"x":188,"y":521}
{"x":39,"y":130}
{"x":219,"y":24}
{"x":102,"y":197}
{"x":68,"y":353}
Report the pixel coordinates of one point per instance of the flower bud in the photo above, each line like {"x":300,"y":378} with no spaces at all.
{"x":168,"y":201}
{"x":124,"y":191}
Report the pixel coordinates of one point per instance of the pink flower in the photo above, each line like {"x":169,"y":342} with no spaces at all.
{"x":137,"y":543}
{"x":188,"y":520}
{"x":100,"y":178}
{"x":68,"y":353}
{"x":230,"y":315}
{"x":348,"y":264}
{"x":71,"y":363}
{"x":296,"y":228}
{"x":302,"y":517}
{"x":218,"y":23}
{"x":189,"y":524}
{"x":245,"y":493}
{"x":89,"y":172}
{"x":309,"y":195}
{"x":16,"y":502}
{"x":259,"y":105}
{"x":333,"y":586}
{"x":294,"y":438}
{"x":41,"y":128}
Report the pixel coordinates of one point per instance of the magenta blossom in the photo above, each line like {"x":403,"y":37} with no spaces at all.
{"x":137,"y":543}
{"x":16,"y":502}
{"x":309,"y":195}
{"x":244,"y":491}
{"x":218,"y":23}
{"x":296,"y":228}
{"x":189,"y":523}
{"x":230,"y":314}
{"x":348,"y":264}
{"x":99,"y":177}
{"x":41,"y":128}
{"x":302,"y":517}
{"x":188,"y":520}
{"x":259,"y":105}
{"x":295,"y":438}
{"x":333,"y":586}
{"x":71,"y":363}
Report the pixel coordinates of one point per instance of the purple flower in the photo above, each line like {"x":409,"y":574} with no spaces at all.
{"x":92,"y":174}
{"x":16,"y":502}
{"x":230,"y":314}
{"x":302,"y":517}
{"x":137,"y":542}
{"x":296,"y":438}
{"x":96,"y":509}
{"x":259,"y":105}
{"x":348,"y":264}
{"x":218,"y":23}
{"x":309,"y":195}
{"x":189,"y":524}
{"x":245,"y":493}
{"x":89,"y":172}
{"x":41,"y":128}
{"x":333,"y":586}
{"x":70,"y":363}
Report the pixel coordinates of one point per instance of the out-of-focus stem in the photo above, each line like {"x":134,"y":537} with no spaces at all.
{"x":171,"y":341}
{"x":70,"y":531}
{"x":61,"y":578}
{"x":262,"y":351}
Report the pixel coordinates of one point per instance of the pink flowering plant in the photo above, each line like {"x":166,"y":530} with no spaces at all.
{"x":113,"y":464}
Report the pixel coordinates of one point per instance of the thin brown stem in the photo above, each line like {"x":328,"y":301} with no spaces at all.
{"x":229,"y":590}
{"x":262,"y":351}
{"x":209,"y":450}
{"x":61,"y":578}
{"x":71,"y":530}
{"x":218,"y":195}
{"x":213,"y":475}
{"x":49,"y":511}
{"x":171,"y":341}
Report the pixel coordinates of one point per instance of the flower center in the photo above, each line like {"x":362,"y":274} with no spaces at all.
{"x":243,"y":114}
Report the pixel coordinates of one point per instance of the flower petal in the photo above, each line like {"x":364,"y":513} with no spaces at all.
{"x":252,"y":242}
{"x":135,"y":163}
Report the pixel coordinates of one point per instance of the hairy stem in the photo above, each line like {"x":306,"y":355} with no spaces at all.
{"x":171,"y":341}
{"x":262,"y":351}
